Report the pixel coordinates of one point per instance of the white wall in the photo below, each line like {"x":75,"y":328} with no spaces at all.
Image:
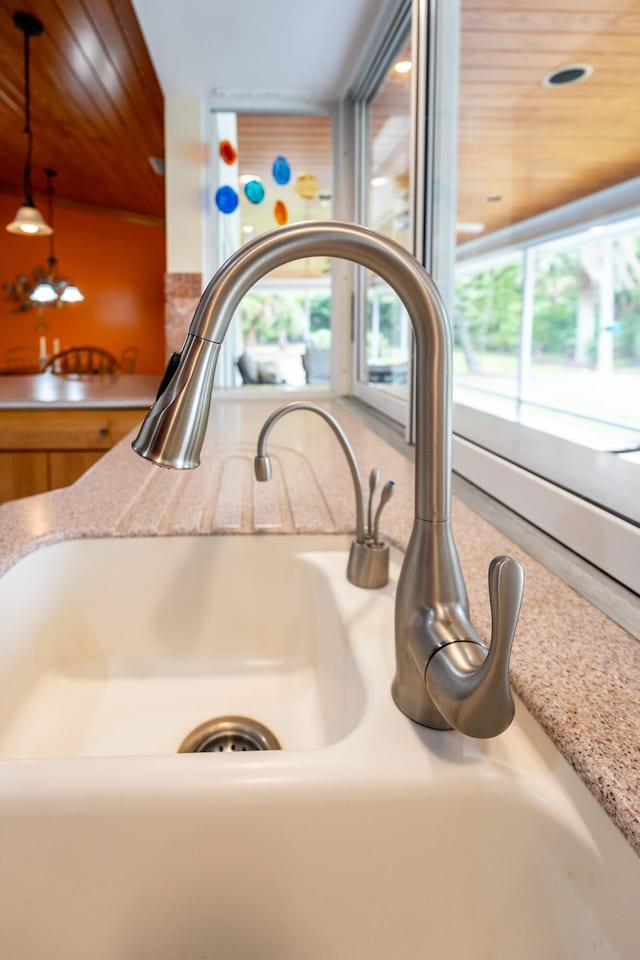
{"x":185,"y":165}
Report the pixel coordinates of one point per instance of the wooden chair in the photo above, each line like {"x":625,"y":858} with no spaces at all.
{"x":83,"y":360}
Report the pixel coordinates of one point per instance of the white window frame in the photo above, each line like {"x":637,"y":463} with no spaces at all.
{"x":392,"y":406}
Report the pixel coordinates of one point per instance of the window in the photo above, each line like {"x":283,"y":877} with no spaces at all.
{"x":525,"y":148}
{"x":267,"y":170}
{"x":385,"y":118}
{"x":550,"y":336}
{"x":546,"y":307}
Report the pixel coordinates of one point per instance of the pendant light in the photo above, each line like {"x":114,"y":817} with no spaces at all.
{"x":51,"y":288}
{"x":28,"y":221}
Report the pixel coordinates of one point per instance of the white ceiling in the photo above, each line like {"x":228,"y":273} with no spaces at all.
{"x":260,"y":53}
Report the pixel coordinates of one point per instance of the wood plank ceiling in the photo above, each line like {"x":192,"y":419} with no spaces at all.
{"x":523,"y":147}
{"x":96,"y":105}
{"x":534,"y":146}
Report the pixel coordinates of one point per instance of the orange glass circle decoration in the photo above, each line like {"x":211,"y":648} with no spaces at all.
{"x":307,"y":186}
{"x":228,"y":152}
{"x":280,"y":212}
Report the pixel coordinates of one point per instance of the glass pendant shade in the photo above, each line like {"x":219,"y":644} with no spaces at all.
{"x":71,"y":294}
{"x":44,"y":292}
{"x":29,"y":222}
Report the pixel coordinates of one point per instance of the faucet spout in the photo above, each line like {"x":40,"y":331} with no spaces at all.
{"x":432,"y":619}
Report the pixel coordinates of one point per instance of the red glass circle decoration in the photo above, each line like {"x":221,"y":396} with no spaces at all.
{"x":228,"y":152}
{"x":280,"y":212}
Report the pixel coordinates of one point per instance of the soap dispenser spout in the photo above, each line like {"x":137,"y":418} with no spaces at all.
{"x":368,"y":564}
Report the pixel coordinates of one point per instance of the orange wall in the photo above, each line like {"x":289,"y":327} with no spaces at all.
{"x":119,"y":266}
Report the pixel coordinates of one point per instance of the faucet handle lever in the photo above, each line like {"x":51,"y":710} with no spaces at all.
{"x":506,"y":587}
{"x":470,"y":684}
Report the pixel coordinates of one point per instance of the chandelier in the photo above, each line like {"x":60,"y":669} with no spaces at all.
{"x":47,"y":288}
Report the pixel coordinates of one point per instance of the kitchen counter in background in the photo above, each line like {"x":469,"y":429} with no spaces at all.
{"x":50,"y":390}
{"x":575,"y":670}
{"x":53,"y":428}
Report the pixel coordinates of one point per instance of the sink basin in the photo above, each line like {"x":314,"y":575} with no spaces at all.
{"x":366,"y":836}
{"x":132,"y":643}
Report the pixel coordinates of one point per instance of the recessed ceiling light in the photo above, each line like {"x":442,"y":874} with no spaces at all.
{"x":469,"y":227}
{"x":402,"y":66}
{"x":569,"y":74}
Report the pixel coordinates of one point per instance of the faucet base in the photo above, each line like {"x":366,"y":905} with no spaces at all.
{"x":368,"y":565}
{"x":431,"y":613}
{"x":416,"y":709}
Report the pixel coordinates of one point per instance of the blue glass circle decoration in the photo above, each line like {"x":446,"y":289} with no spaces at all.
{"x":254,"y":191}
{"x":226,"y":199}
{"x":281,"y":170}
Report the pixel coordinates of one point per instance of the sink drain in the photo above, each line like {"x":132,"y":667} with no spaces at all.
{"x":229,"y":735}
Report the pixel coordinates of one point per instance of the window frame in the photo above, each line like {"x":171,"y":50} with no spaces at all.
{"x":362,"y":92}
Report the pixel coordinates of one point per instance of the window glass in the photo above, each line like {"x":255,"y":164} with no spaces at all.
{"x":547,"y":301}
{"x":269,"y":170}
{"x":386,"y":346}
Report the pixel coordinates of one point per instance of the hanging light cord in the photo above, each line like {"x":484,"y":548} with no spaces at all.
{"x":52,"y":255}
{"x":26,"y":184}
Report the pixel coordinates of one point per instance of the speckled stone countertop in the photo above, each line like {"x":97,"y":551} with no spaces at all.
{"x":573,"y":668}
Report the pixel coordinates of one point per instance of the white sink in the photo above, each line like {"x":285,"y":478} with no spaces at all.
{"x":132,"y":643}
{"x":385,"y":841}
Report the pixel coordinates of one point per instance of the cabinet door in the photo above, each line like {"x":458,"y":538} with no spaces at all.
{"x":22,"y":473}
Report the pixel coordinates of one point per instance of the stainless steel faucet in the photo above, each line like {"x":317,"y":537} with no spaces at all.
{"x":446,"y":676}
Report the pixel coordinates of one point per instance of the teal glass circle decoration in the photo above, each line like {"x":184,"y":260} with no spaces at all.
{"x":254,"y":191}
{"x":281,"y":170}
{"x":226,"y":199}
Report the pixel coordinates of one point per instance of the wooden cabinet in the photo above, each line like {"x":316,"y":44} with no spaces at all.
{"x":42,"y":450}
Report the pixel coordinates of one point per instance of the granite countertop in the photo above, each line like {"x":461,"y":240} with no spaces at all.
{"x":47,"y":390}
{"x":576,"y":671}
